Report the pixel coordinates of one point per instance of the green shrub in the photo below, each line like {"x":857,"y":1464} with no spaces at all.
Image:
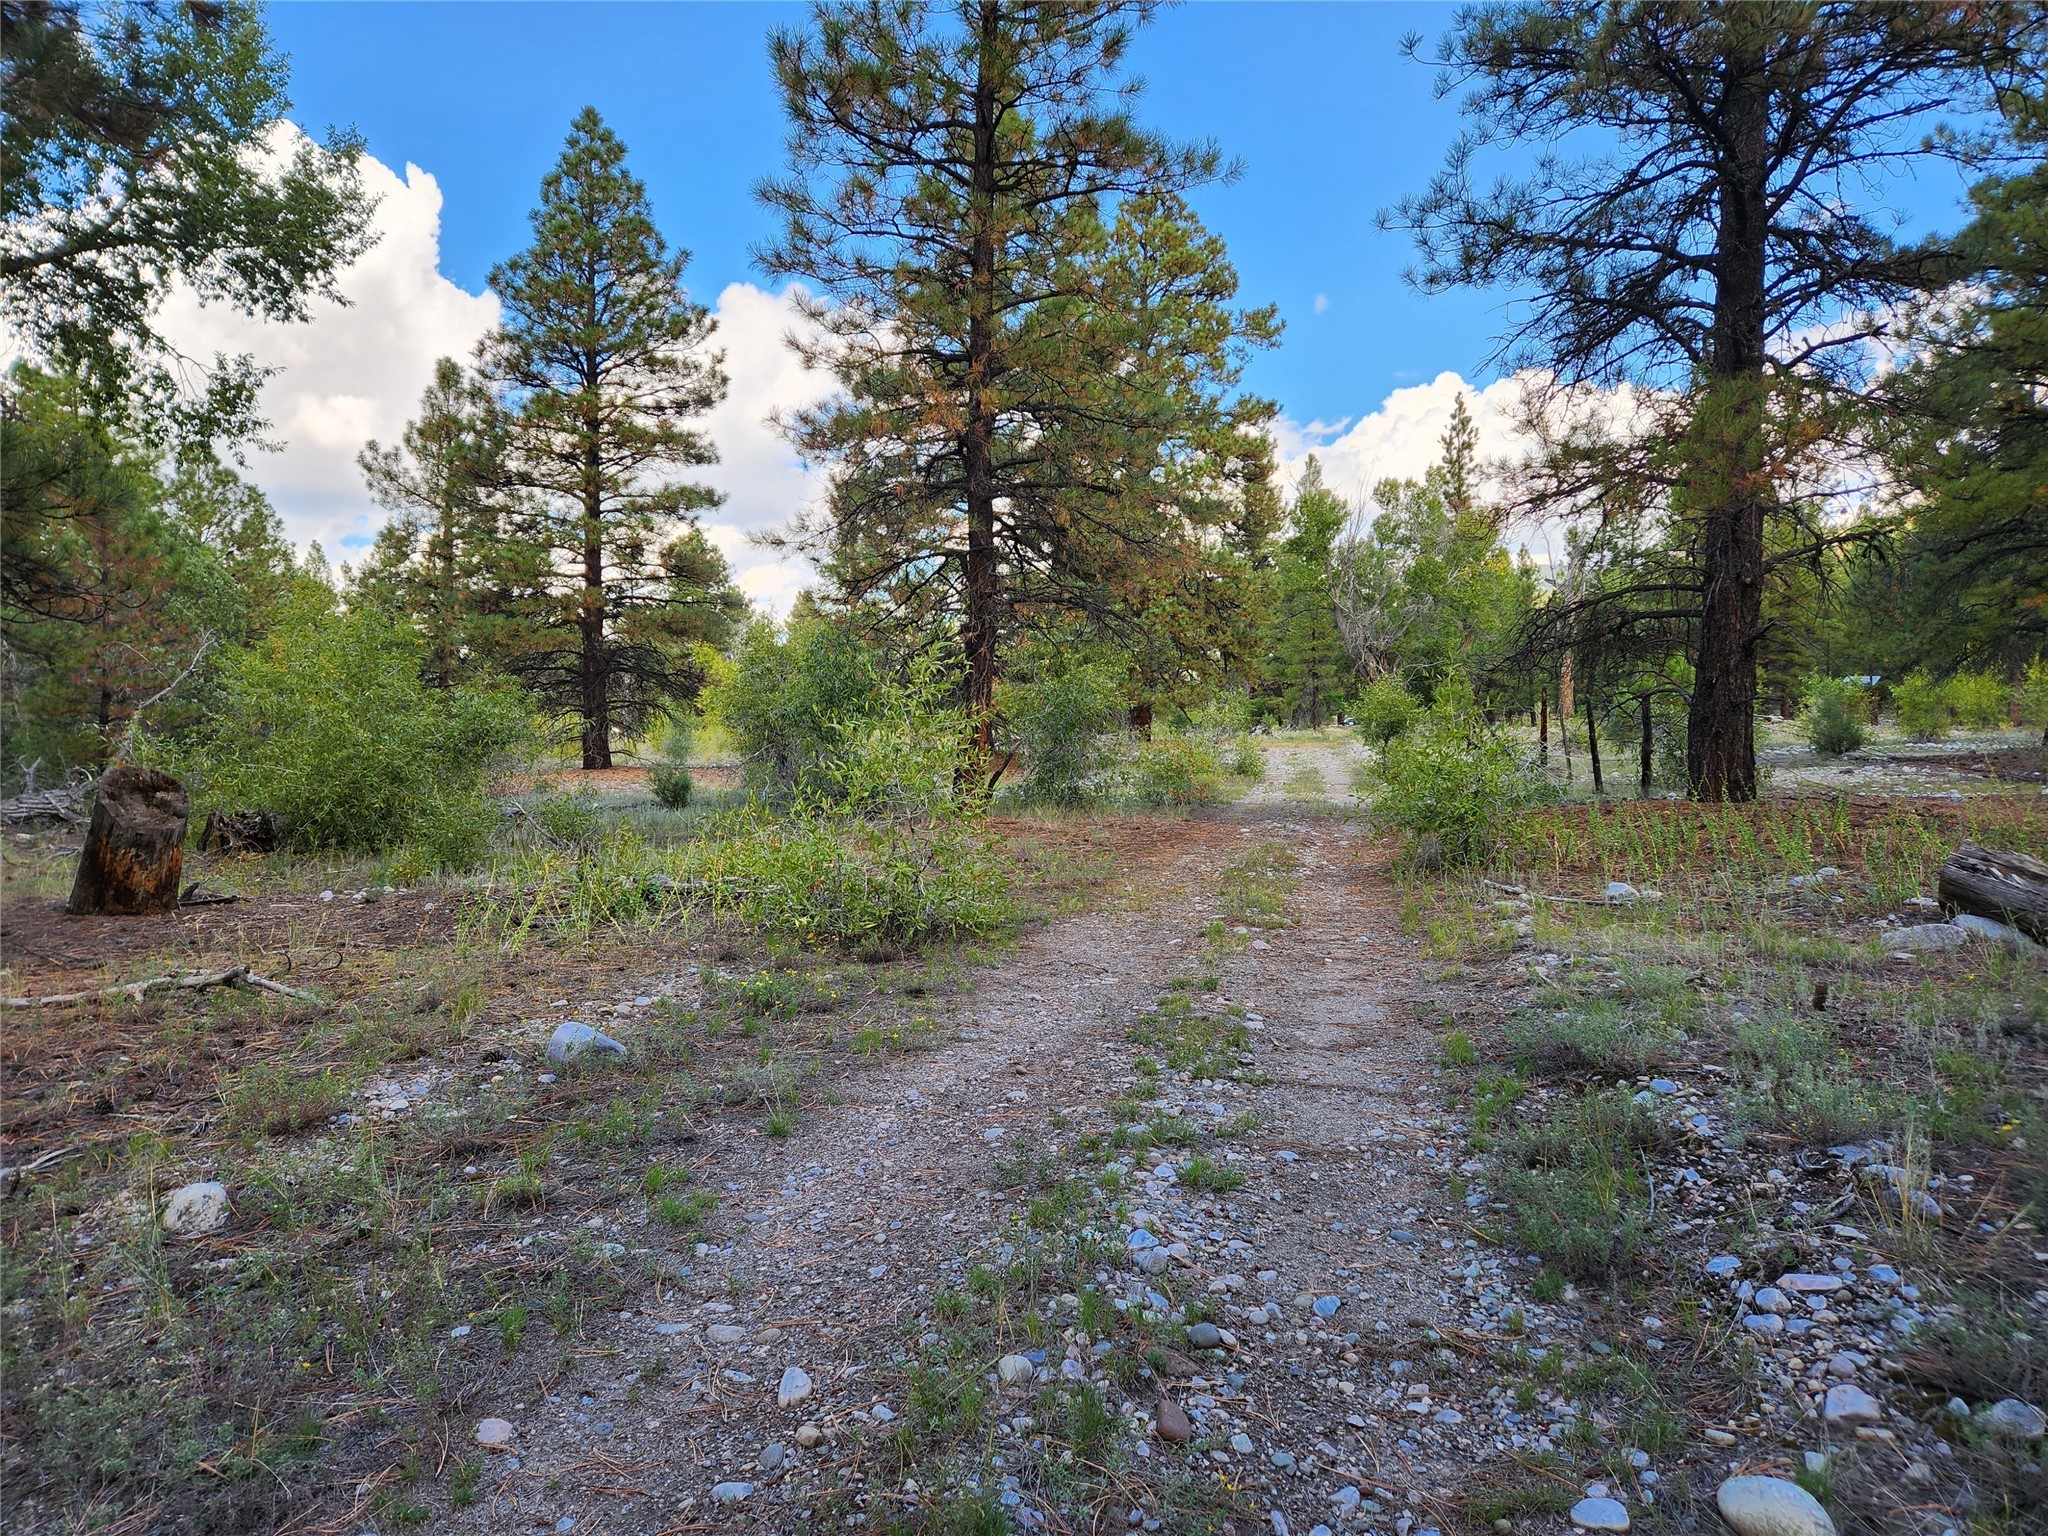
{"x":1383,"y":710}
{"x":1453,"y":783}
{"x":1922,"y":704}
{"x":2033,"y":696}
{"x":1830,"y":721}
{"x":671,"y":785}
{"x":1978,"y":699}
{"x":326,"y":724}
{"x":1173,"y":769}
{"x":670,"y":779}
{"x":789,"y":695}
{"x":1062,"y":724}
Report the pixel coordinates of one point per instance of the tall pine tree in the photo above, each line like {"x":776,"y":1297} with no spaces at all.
{"x":1034,"y":339}
{"x":1709,"y":243}
{"x":601,"y":359}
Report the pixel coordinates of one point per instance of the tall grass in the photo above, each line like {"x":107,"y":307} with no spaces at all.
{"x":1898,"y":848}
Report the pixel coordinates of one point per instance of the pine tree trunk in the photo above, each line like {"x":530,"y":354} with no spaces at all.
{"x":1720,"y":737}
{"x":595,"y":700}
{"x":1593,"y":747}
{"x":135,"y":846}
{"x":1649,"y":747}
{"x":978,"y":444}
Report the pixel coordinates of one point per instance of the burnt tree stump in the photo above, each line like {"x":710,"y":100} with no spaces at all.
{"x":135,"y":847}
{"x":2004,"y":886}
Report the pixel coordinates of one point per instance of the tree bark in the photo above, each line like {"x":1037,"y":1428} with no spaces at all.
{"x":2003,"y":886}
{"x":596,"y":702}
{"x":977,"y":447}
{"x":1649,"y":746}
{"x":135,"y":846}
{"x":1593,"y":747}
{"x":1734,"y":480}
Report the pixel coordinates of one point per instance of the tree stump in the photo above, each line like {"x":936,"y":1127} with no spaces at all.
{"x":2004,"y":886}
{"x":135,"y":847}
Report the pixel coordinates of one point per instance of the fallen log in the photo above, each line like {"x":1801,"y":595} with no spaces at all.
{"x":233,"y":976}
{"x":135,"y":846}
{"x":2004,"y":886}
{"x":61,"y":804}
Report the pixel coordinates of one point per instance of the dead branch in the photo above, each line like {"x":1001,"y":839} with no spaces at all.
{"x":233,"y":976}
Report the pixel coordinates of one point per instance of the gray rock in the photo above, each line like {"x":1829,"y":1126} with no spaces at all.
{"x":772,"y":1456}
{"x":1013,"y":1370}
{"x":1927,"y":936}
{"x":572,"y":1041}
{"x":1771,"y":1299}
{"x":1722,"y":1265}
{"x":1600,"y":1514}
{"x":1993,"y":932}
{"x":494,"y":1434}
{"x":1849,"y":1405}
{"x":794,"y":1387}
{"x":1621,"y":893}
{"x":730,"y":1493}
{"x":2012,"y":1419}
{"x":1764,"y":1324}
{"x":197,"y":1209}
{"x":726,"y":1333}
{"x":1204,"y":1335}
{"x":1770,"y":1506}
{"x":1152,"y":1261}
{"x":1806,"y":1284}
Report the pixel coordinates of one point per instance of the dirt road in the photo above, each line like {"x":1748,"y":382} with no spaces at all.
{"x":1323,"y":1235}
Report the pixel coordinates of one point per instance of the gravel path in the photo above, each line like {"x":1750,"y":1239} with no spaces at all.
{"x":1355,"y":1310}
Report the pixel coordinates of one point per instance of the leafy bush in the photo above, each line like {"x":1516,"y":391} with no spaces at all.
{"x":826,"y":877}
{"x":671,"y":777}
{"x":2033,"y":696}
{"x":1829,"y":721}
{"x":1451,"y":782}
{"x":787,"y":700}
{"x":1173,"y":769}
{"x":1923,"y":708}
{"x":326,"y":725}
{"x":1978,"y":699}
{"x":1383,"y":710}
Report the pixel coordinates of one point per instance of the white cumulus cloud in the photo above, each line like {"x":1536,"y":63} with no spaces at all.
{"x":356,"y":371}
{"x":1403,"y":437}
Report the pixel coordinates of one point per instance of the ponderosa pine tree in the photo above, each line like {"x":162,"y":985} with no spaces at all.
{"x":1972,"y":566}
{"x":1034,"y":339}
{"x":601,"y":359}
{"x":1708,"y":243}
{"x":449,"y":561}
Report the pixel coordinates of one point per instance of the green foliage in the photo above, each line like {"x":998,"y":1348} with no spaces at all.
{"x":831,"y":878}
{"x":1118,"y":478}
{"x":789,"y":693}
{"x":1431,"y":590}
{"x":1384,"y":708}
{"x":326,"y":724}
{"x":1062,"y":726}
{"x":1923,"y":707}
{"x":1453,"y":783}
{"x":1173,"y":769}
{"x":2033,"y":695}
{"x":139,"y":153}
{"x":1830,"y":720}
{"x":671,"y":777}
{"x":1305,"y":666}
{"x":603,"y":357}
{"x":1978,"y":700}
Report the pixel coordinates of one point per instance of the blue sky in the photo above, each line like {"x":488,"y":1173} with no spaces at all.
{"x":1330,"y":121}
